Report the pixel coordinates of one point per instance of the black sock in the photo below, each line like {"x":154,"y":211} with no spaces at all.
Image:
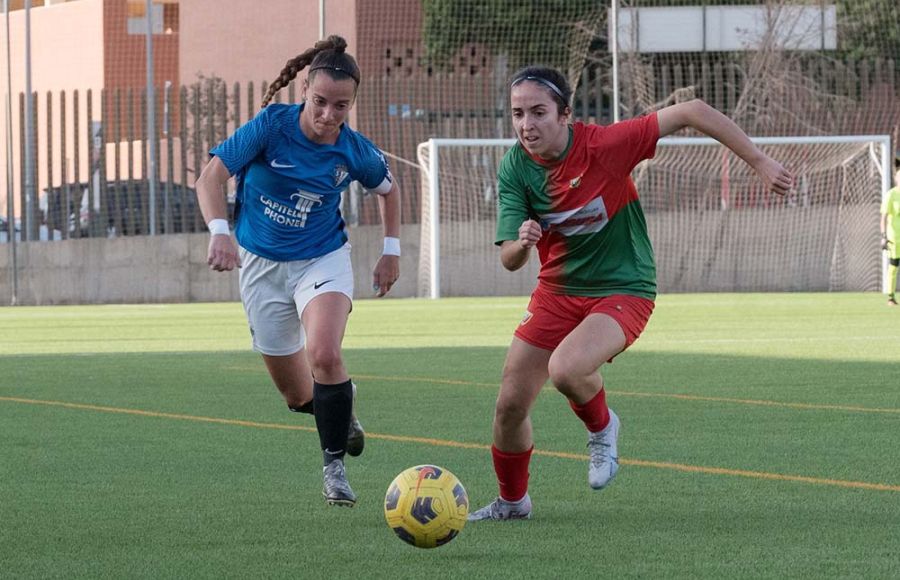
{"x":308,"y":408}
{"x":334,"y":404}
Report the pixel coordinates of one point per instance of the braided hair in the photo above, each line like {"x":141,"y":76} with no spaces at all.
{"x":328,"y":55}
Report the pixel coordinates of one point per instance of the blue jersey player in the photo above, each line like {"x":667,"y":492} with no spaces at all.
{"x":291,"y":163}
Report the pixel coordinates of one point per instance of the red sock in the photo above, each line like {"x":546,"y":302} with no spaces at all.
{"x":512,"y":473}
{"x":594,"y":413}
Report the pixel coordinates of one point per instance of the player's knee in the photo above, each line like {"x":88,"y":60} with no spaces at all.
{"x":324,"y":359}
{"x":562,"y":375}
{"x":509,"y":412}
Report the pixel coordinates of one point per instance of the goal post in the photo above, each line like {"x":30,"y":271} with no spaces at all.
{"x":713,"y":226}
{"x":429,"y":157}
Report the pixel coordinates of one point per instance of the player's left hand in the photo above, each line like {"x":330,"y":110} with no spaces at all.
{"x":775,"y":176}
{"x":387,"y":270}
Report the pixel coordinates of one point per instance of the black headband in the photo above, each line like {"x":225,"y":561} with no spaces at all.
{"x":542,"y":81}
{"x":350,"y":74}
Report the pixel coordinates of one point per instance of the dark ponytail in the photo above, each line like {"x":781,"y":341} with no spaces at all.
{"x":328,"y":55}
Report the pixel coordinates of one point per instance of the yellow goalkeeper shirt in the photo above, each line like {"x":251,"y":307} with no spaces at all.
{"x":891,"y":208}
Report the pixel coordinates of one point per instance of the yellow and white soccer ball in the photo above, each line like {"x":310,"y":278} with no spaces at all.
{"x":426,"y":506}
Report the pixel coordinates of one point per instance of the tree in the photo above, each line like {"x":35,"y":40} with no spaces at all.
{"x":543,"y":31}
{"x":870,"y":28}
{"x":527,"y":32}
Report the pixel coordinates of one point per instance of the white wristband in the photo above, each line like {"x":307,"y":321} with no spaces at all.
{"x":391,"y":247}
{"x":218,"y":226}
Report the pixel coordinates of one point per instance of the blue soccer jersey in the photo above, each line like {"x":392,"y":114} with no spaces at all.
{"x":289,"y":188}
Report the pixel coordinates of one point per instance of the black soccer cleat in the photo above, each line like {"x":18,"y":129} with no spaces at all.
{"x":356,"y":437}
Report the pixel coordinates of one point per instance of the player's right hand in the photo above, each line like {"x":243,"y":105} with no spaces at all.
{"x":529,"y":233}
{"x":223,"y":253}
{"x":775,"y":176}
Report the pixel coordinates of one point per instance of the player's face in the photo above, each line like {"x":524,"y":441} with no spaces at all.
{"x":328,"y":102}
{"x":540,"y":127}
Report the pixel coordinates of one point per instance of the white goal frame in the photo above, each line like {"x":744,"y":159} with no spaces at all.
{"x":882,"y":159}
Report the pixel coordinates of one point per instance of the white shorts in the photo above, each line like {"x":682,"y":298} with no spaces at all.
{"x":275,"y":293}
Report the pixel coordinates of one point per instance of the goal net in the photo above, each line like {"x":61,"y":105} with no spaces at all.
{"x":713,"y":226}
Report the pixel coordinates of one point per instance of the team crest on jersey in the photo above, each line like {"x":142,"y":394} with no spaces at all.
{"x":340,"y":174}
{"x":575,"y":182}
{"x":526,"y":318}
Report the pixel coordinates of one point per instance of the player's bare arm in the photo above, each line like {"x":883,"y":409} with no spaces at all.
{"x":387,"y":270}
{"x":514,"y":253}
{"x":702,"y":117}
{"x":223,"y":252}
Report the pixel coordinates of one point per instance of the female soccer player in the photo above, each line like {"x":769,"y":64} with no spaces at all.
{"x":890,"y":235}
{"x":566,"y":190}
{"x":291,"y":163}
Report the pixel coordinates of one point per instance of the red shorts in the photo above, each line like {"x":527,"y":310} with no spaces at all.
{"x":551,"y":317}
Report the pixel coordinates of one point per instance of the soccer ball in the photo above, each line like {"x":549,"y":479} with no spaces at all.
{"x":426,"y":506}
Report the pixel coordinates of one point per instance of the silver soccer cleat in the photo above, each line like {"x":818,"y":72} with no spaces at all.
{"x":500,"y":509}
{"x":336,"y":489}
{"x":604,"y":454}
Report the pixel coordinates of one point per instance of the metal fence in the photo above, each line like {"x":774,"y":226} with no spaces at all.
{"x":93,"y":178}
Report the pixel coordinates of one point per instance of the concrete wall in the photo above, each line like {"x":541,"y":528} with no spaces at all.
{"x":804,"y":249}
{"x":162,"y":269}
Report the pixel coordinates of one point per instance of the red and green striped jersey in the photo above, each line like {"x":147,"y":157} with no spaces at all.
{"x":595,"y":240}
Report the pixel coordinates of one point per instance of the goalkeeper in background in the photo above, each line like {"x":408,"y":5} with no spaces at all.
{"x":566,"y":191}
{"x":890,"y":235}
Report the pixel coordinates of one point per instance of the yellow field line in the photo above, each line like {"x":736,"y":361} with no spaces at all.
{"x":760,"y":402}
{"x":176,"y":416}
{"x":426,"y":380}
{"x":478,"y":446}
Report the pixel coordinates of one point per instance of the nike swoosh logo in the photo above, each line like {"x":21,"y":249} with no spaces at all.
{"x":330,"y":452}
{"x":318,"y":285}
{"x":277,"y":165}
